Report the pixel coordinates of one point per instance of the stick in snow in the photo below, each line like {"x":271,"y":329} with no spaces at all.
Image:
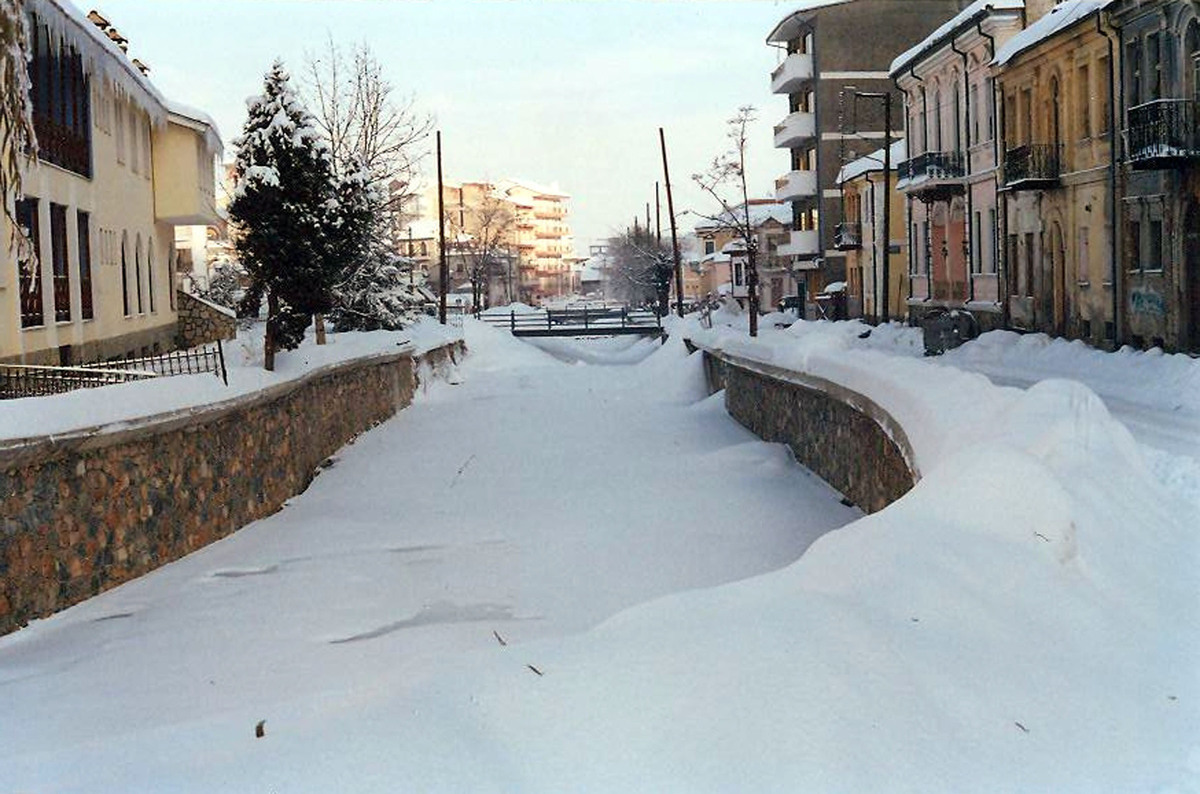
{"x":499,"y":639}
{"x":534,"y":669}
{"x":461,"y":469}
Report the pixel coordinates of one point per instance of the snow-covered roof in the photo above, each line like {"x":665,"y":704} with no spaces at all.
{"x":761,"y":211}
{"x":787,"y":28}
{"x":871,"y":162}
{"x":951,"y":27}
{"x":1062,"y":16}
{"x":533,"y":187}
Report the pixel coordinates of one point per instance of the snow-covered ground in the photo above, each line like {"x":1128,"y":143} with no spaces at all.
{"x":573,"y":572}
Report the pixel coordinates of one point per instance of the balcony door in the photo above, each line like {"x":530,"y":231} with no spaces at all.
{"x":1051,"y":289}
{"x":1191,"y":266}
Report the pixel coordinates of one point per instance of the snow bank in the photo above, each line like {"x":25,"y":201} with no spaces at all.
{"x":111,"y":406}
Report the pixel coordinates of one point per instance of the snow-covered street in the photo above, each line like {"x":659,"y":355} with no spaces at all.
{"x":533,"y":500}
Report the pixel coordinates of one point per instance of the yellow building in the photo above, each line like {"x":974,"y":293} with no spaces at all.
{"x":1053,"y":83}
{"x":118,"y":168}
{"x":547,"y":249}
{"x":860,"y":235}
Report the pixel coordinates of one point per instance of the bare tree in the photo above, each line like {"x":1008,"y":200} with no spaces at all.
{"x":484,"y":242}
{"x":727,"y":174}
{"x":17,"y":139}
{"x":363,"y":116}
{"x":641,"y":268}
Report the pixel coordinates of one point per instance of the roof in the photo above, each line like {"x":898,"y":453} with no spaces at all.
{"x":790,"y":25}
{"x":551,"y":190}
{"x":761,"y":211}
{"x":1061,"y":17}
{"x":872,"y":162}
{"x":951,"y":28}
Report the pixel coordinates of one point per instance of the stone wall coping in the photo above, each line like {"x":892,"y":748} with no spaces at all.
{"x":15,"y":452}
{"x":859,"y":402}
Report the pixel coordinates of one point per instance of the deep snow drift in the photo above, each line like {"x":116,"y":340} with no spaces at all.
{"x":1025,"y":619}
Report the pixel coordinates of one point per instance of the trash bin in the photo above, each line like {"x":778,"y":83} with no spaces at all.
{"x":947,"y":330}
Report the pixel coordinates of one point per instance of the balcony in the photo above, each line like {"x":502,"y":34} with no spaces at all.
{"x":795,"y":185}
{"x":933,"y":176}
{"x":796,"y":128}
{"x":802,"y":243}
{"x":1162,"y":134}
{"x":1034,"y":166}
{"x":847,"y":236}
{"x":794,"y":72}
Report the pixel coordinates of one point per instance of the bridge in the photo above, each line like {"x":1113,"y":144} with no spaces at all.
{"x":605,"y":321}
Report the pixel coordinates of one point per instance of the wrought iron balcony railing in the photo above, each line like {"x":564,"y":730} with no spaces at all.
{"x":932,"y":165}
{"x":1162,"y":130}
{"x":1033,"y":165}
{"x":847,"y":236}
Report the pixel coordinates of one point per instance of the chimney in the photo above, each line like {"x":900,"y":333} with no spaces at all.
{"x":141,"y":67}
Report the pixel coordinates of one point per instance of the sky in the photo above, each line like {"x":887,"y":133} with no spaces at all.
{"x":568,"y":92}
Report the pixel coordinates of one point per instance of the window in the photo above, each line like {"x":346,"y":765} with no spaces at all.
{"x":1025,"y":280}
{"x":1135,"y":245}
{"x":58,"y":262}
{"x":29,"y":278}
{"x":1083,"y":267}
{"x":61,"y":97}
{"x":1154,"y":257}
{"x":137,"y":273}
{"x":1083,"y":102}
{"x":1154,"y":66}
{"x":135,"y":163}
{"x":83,"y":224}
{"x":990,"y":262}
{"x":1133,"y":58}
{"x":988,"y":95}
{"x":150,"y":272}
{"x":1012,"y":262}
{"x":145,"y":125}
{"x":1026,"y":132}
{"x":937,"y":121}
{"x":977,"y":243}
{"x":1102,"y":89}
{"x":976,"y":111}
{"x":119,"y":117}
{"x":710,"y":246}
{"x":125,"y":273}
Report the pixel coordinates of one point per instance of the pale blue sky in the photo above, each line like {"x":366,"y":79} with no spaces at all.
{"x":571,"y":92}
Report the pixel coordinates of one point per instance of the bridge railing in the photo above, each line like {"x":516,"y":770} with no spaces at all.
{"x":574,"y":322}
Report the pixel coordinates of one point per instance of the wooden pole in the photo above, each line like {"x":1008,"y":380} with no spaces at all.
{"x":887,"y":203}
{"x":671,"y":212}
{"x":657,"y":216}
{"x":443,"y":270}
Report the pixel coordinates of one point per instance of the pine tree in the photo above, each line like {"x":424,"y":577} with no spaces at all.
{"x":283,"y":199}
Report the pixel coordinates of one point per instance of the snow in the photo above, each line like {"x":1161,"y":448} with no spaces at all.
{"x":934,"y":39}
{"x":573,"y":572}
{"x":761,"y":211}
{"x":112,"y":408}
{"x":1059,"y":18}
{"x":872,"y":162}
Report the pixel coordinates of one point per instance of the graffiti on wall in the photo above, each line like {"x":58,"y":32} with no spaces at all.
{"x":1147,"y":301}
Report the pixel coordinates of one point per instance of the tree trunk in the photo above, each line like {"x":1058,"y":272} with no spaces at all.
{"x":319,"y":320}
{"x":752,"y":290}
{"x":269,"y":338}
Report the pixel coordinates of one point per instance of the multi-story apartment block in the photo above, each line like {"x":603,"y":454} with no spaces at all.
{"x":831,"y":48}
{"x":866,"y":190}
{"x":546,"y":237}
{"x":949,"y":177}
{"x":1158,"y":179}
{"x":118,"y":168}
{"x":1055,"y":179}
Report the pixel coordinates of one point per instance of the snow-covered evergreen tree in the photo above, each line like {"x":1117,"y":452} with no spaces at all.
{"x":225,"y":285}
{"x":282,"y":199}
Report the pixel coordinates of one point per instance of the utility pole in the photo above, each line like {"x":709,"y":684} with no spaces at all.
{"x":657,"y":216}
{"x":443,"y":271}
{"x":671,"y":212}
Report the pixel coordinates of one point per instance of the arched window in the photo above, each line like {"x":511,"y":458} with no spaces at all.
{"x":937,"y":120}
{"x":1054,"y":114}
{"x":137,"y":273}
{"x":125,"y":273}
{"x":150,"y":272}
{"x":1192,"y":59}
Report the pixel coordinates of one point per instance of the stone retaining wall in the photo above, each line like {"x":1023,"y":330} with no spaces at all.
{"x":840,"y":435}
{"x":84,"y":512}
{"x":201,"y":322}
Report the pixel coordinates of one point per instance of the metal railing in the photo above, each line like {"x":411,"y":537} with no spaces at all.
{"x":1033,"y":162}
{"x":847,"y":235}
{"x":26,"y":380}
{"x":933,"y":165}
{"x":1163,"y":128}
{"x":574,"y":322}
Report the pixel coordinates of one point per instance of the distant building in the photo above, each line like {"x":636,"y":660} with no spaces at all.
{"x":119,"y":167}
{"x":830,"y":48}
{"x":769,"y":221}
{"x":865,"y":189}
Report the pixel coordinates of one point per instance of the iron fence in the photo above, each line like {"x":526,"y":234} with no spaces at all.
{"x":26,"y":380}
{"x":1164,"y":128}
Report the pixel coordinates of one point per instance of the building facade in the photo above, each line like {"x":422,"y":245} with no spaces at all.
{"x":830,"y":50}
{"x":1053,"y":88}
{"x":719,"y":274}
{"x":949,"y":179}
{"x":118,"y":168}
{"x":1158,"y":176}
{"x":866,"y":192}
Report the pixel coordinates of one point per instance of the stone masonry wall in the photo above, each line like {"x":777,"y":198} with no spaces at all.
{"x":84,"y":512}
{"x":840,"y":435}
{"x":201,"y":322}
